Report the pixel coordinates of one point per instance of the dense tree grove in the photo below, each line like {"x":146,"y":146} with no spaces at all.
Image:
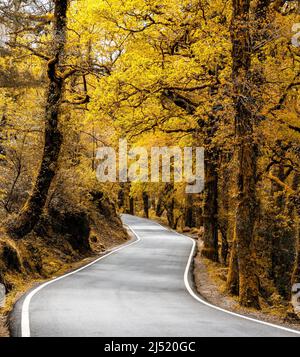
{"x":223,"y":75}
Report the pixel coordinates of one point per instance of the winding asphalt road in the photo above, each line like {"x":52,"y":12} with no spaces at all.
{"x":139,"y":290}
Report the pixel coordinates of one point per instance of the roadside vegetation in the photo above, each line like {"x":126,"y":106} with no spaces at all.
{"x":223,"y":75}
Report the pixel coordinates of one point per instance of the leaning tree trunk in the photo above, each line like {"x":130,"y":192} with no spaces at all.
{"x":33,"y":208}
{"x":247,"y":154}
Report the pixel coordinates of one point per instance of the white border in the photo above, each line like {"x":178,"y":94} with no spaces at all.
{"x":25,"y":322}
{"x":198,"y":298}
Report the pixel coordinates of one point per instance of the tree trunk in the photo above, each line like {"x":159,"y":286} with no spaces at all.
{"x":247,"y":154}
{"x":33,"y":208}
{"x":159,"y":207}
{"x":146,"y":204}
{"x":189,"y":220}
{"x":210,"y":208}
{"x":224,"y":207}
{"x":170,"y":205}
{"x":233,"y":272}
{"x":163,"y":199}
{"x":296,"y":273}
{"x":131,"y":206}
{"x":121,"y":196}
{"x":2,"y":136}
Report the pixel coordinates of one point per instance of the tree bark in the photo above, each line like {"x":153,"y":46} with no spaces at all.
{"x":170,"y":205}
{"x":146,"y":204}
{"x":131,"y":206}
{"x":2,"y":136}
{"x":224,"y":206}
{"x":189,"y":220}
{"x":210,"y":208}
{"x":233,"y":272}
{"x":296,"y":273}
{"x":34,"y":206}
{"x":121,"y":196}
{"x":159,"y":207}
{"x":247,"y":154}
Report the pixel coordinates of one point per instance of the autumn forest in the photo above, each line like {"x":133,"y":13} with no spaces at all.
{"x":224,"y":75}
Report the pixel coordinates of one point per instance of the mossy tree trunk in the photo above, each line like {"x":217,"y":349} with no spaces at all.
{"x":246,"y":153}
{"x":33,"y":208}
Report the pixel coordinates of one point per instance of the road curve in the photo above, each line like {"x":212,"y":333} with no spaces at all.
{"x":138,"y":291}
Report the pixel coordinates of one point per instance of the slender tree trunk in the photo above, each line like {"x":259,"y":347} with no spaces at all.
{"x":146,"y":204}
{"x":163,"y":199}
{"x":170,"y":205}
{"x":159,"y":207}
{"x":247,"y":154}
{"x":131,"y":206}
{"x":233,"y":272}
{"x":2,"y":136}
{"x":198,"y":207}
{"x":121,"y":196}
{"x":210,"y":208}
{"x":189,"y":220}
{"x":224,"y":207}
{"x":224,"y":247}
{"x":32,"y":210}
{"x":153,"y":202}
{"x":296,"y":273}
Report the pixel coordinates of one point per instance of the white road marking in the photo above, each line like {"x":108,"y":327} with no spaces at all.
{"x":25,"y":321}
{"x":198,"y":298}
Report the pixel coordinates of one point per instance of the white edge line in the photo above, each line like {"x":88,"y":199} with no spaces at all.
{"x":25,"y":322}
{"x":198,"y":298}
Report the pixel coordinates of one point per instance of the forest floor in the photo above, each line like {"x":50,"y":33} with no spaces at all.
{"x":210,"y":281}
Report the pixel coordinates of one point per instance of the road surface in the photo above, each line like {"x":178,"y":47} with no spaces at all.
{"x":139,"y":290}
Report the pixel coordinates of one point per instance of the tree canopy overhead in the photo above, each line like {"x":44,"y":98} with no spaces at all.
{"x":225,"y":75}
